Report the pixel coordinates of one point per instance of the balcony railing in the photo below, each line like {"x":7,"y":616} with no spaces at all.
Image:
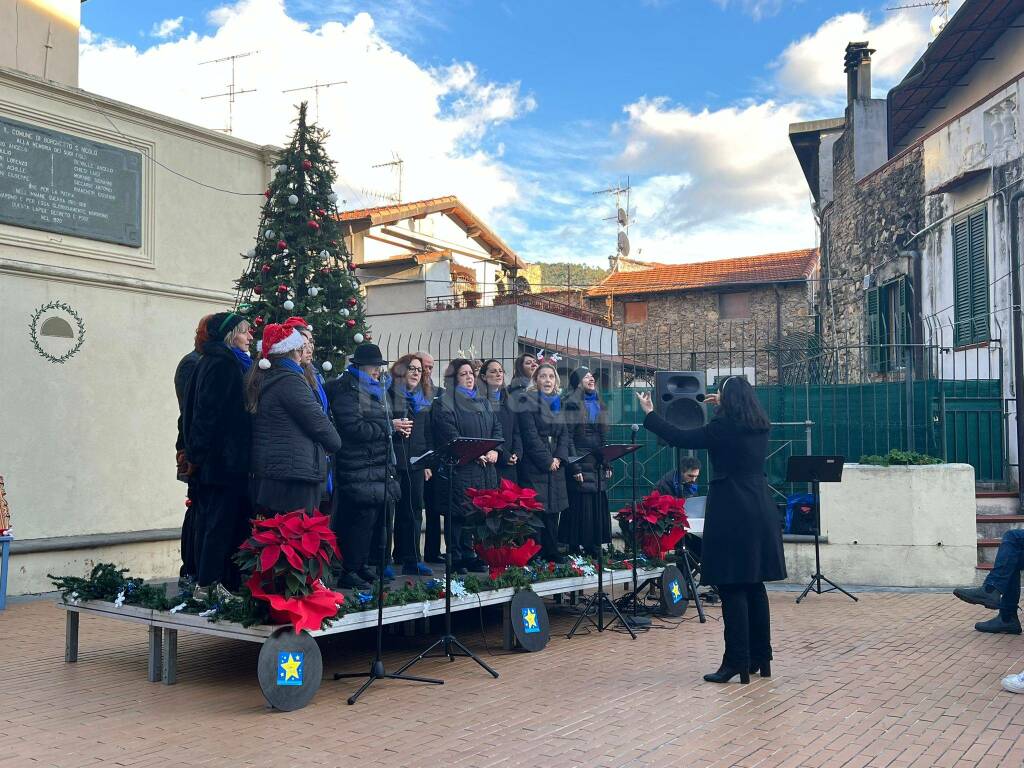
{"x":474,"y":299}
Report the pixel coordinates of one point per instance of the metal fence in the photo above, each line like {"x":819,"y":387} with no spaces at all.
{"x":846,"y":397}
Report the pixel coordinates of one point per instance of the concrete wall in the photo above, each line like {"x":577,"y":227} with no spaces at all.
{"x":88,"y":444}
{"x":895,"y":526}
{"x":40,"y":37}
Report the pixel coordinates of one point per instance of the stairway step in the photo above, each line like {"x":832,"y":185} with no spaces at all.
{"x":1000,"y":519}
{"x":983,"y":567}
{"x":989,"y":542}
{"x":995,"y":495}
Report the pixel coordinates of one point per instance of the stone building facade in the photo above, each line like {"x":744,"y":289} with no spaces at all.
{"x":725,"y":317}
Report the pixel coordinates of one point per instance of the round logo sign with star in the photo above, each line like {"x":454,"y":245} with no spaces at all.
{"x":57,"y":331}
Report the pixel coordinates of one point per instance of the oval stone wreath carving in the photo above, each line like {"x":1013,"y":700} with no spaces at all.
{"x":35,"y":339}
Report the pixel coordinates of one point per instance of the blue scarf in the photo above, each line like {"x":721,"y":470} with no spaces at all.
{"x":368,"y":384}
{"x":496,"y":394}
{"x":415,"y":401}
{"x":243,"y":358}
{"x":320,"y":393}
{"x":470,"y":393}
{"x":593,"y":406}
{"x":554,"y":401}
{"x":290,"y":365}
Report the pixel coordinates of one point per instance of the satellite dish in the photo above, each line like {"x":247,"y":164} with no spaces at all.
{"x":623,"y":244}
{"x":622,"y":216}
{"x":937,"y":25}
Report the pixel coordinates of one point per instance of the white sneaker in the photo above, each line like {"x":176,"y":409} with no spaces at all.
{"x":1014,"y":683}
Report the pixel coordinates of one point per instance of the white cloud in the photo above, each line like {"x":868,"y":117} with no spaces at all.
{"x":167,"y":27}
{"x":437,"y":120}
{"x":758,"y":9}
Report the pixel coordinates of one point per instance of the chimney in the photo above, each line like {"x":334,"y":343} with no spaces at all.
{"x":858,"y":71}
{"x":40,"y":37}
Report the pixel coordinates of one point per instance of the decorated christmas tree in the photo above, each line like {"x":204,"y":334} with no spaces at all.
{"x":300,"y":265}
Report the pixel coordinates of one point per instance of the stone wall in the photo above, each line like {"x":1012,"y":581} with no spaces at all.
{"x":862,"y":230}
{"x":684,"y":329}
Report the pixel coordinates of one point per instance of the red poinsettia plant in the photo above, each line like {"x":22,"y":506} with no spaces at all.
{"x":660,"y":523}
{"x":286,"y":557}
{"x":504,"y":521}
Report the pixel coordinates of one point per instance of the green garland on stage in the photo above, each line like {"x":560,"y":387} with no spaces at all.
{"x":108,"y":583}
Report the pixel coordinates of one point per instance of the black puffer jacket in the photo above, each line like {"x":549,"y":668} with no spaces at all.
{"x":182,"y":380}
{"x":544,"y":438}
{"x":455,"y":415}
{"x":586,"y":436}
{"x":513,"y":443}
{"x":421,"y":440}
{"x":291,"y":435}
{"x":215,"y":426}
{"x":361,"y":466}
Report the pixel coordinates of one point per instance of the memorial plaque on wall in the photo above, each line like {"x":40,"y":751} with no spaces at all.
{"x":61,"y":183}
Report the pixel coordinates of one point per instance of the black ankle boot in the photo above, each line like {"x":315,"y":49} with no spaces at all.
{"x":764,"y":667}
{"x":725,"y":673}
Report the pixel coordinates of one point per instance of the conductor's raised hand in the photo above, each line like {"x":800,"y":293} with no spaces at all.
{"x":646,"y":403}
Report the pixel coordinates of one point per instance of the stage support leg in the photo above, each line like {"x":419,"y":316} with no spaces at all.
{"x":71,"y":637}
{"x":154,"y":654}
{"x":170,"y":656}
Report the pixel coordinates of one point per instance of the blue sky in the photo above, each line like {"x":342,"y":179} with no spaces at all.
{"x":524,"y":107}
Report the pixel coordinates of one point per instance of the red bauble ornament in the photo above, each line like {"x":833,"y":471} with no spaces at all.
{"x":350,"y":323}
{"x":321,"y":212}
{"x":306,"y":165}
{"x":313,"y":224}
{"x":267,"y":194}
{"x":188,"y":502}
{"x":334,"y":243}
{"x":258,"y":320}
{"x":281,"y":245}
{"x":352,"y":302}
{"x":265,"y":268}
{"x":282,"y":288}
{"x":325,"y":271}
{"x":257,"y":290}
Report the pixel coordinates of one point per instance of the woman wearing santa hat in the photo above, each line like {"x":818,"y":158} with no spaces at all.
{"x":216,"y":431}
{"x":291,"y":436}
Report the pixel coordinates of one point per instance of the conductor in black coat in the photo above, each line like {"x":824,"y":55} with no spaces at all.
{"x":492,"y":383}
{"x":742,"y":545}
{"x":364,"y":469}
{"x":216,"y":429}
{"x":462,"y":411}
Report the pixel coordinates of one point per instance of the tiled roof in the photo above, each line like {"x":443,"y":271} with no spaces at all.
{"x":747,"y":270}
{"x":364,"y":218}
{"x":400,"y":259}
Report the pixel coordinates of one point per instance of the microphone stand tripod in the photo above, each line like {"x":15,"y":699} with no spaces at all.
{"x":458,"y":452}
{"x":377,"y":670}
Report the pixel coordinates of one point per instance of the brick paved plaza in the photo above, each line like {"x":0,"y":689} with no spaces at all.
{"x":898,"y":679}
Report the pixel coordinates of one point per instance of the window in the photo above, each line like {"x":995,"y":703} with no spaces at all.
{"x":889,"y":324}
{"x":635,"y":311}
{"x":970,"y":279}
{"x":734,"y":306}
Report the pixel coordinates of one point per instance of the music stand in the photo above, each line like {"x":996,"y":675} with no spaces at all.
{"x":457,"y":453}
{"x":597,"y":602}
{"x":816,"y":470}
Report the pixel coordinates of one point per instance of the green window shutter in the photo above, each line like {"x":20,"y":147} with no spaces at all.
{"x":873,"y":298}
{"x":904,"y":304}
{"x":978,"y":240}
{"x":961,"y":283}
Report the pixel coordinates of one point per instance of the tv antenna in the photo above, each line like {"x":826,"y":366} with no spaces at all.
{"x":398,"y":164}
{"x":621,"y":218}
{"x":233,"y":89}
{"x":315,"y":87}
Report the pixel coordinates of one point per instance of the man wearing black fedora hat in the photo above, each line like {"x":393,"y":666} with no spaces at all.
{"x":364,"y":469}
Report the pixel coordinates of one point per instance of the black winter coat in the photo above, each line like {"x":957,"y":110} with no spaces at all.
{"x":291,"y":435}
{"x":513,"y":443}
{"x":408,"y":448}
{"x":182,"y":379}
{"x":362,"y":464}
{"x":216,"y":428}
{"x":586,"y":437}
{"x":742,"y":541}
{"x":545,"y":438}
{"x":455,"y":415}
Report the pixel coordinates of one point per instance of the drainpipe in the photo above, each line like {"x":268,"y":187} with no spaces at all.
{"x":1012,"y":219}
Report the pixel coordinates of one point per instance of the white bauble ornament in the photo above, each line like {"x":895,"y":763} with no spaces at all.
{"x":281,"y":168}
{"x":358,"y":338}
{"x":251,"y":253}
{"x":289,"y":305}
{"x":293,"y":199}
{"x":269,"y":234}
{"x":313,"y":291}
{"x":325,"y":254}
{"x":264,"y":364}
{"x":327,"y":366}
{"x":343,"y":312}
{"x":333,"y":197}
